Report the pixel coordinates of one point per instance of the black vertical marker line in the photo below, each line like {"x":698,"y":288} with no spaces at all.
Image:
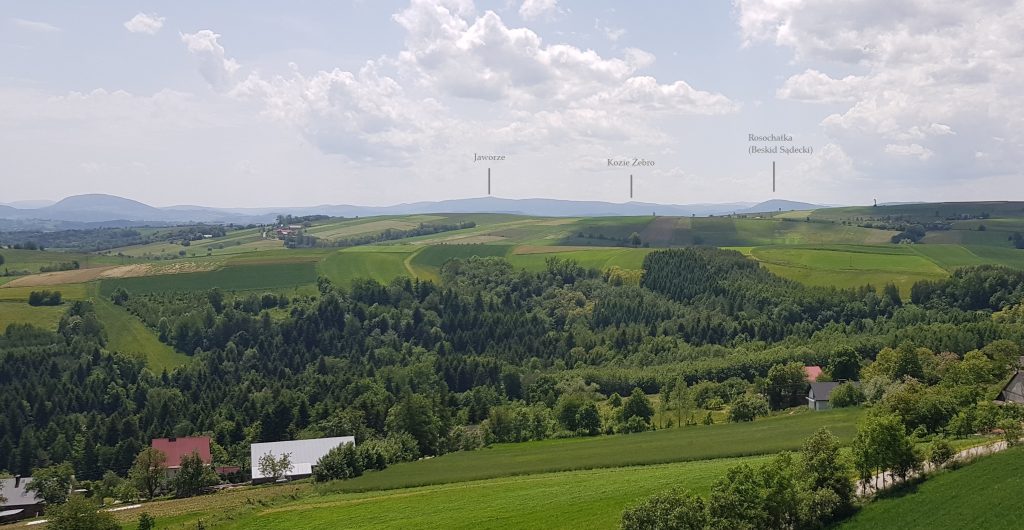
{"x":488,"y":181}
{"x":631,"y":186}
{"x":773,"y":176}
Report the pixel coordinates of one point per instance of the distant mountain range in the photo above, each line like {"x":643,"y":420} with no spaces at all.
{"x":111,"y":210}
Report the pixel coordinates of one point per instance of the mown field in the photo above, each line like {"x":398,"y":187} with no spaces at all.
{"x":233,"y":277}
{"x":985,"y":494}
{"x":701,"y":442}
{"x":380,"y":263}
{"x":576,"y":499}
{"x":848,"y":266}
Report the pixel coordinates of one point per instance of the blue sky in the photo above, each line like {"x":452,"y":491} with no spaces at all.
{"x":381,"y":102}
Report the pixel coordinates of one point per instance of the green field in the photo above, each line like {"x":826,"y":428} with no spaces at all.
{"x":22,"y":313}
{"x":600,"y":259}
{"x":32,"y":260}
{"x":769,"y":435}
{"x":240,"y":277}
{"x":427,"y":262}
{"x":381,"y":263}
{"x":127,"y":334}
{"x":849,"y":266}
{"x":576,"y":499}
{"x":985,"y":494}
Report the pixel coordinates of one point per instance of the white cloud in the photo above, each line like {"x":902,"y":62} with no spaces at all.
{"x":395,"y":108}
{"x":33,"y":25}
{"x":912,"y":150}
{"x":814,"y":86}
{"x":216,"y":68}
{"x":612,"y":34}
{"x":532,"y":9}
{"x":366,"y":116}
{"x":145,"y":23}
{"x":922,"y":86}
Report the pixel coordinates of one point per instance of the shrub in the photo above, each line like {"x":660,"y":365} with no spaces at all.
{"x":940,"y":452}
{"x":339,"y":463}
{"x":79,"y":513}
{"x":634,"y":424}
{"x":1012,"y":431}
{"x":846,"y":395}
{"x":671,"y":510}
{"x":747,"y":407}
{"x":41,"y":298}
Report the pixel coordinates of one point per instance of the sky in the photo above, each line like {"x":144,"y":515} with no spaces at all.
{"x":380,"y":102}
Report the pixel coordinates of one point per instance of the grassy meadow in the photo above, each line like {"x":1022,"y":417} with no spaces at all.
{"x":984,"y":494}
{"x":699,"y":442}
{"x":575,"y":499}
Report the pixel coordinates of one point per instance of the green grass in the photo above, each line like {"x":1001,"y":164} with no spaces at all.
{"x":241,"y":277}
{"x":381,"y":263}
{"x":614,"y":228}
{"x":702,"y":442}
{"x":848,"y":266}
{"x":924,"y":211}
{"x":985,"y":494}
{"x":32,"y":260}
{"x":577,"y":499}
{"x":427,"y":262}
{"x":602,"y":258}
{"x":73,"y":291}
{"x":127,"y":334}
{"x":21,"y":313}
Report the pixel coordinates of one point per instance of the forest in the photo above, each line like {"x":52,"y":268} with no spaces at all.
{"x":494,"y":354}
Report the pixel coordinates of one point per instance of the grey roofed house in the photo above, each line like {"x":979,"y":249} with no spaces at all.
{"x":304,"y":454}
{"x":20,"y":503}
{"x":818,"y":396}
{"x":1013,"y":392}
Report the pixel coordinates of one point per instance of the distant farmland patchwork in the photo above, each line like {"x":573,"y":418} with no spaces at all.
{"x":821,"y":247}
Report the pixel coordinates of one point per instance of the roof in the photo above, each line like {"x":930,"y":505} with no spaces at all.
{"x":811,"y":373}
{"x":821,"y":391}
{"x":304,"y":453}
{"x":18,"y":496}
{"x":1014,"y":390}
{"x":176,"y":448}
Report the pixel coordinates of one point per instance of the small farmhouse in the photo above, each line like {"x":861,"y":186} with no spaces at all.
{"x":818,"y":396}
{"x":19,"y":503}
{"x":304,"y":454}
{"x":178,"y":448}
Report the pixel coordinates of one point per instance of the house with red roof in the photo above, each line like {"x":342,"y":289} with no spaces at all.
{"x":177,"y":448}
{"x":812,"y":373}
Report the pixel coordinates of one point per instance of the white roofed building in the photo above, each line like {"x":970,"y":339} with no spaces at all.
{"x":304,"y":454}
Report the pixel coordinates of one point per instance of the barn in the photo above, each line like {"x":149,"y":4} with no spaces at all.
{"x":304,"y":454}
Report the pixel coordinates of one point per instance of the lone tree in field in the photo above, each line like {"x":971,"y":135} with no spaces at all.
{"x":147,"y":473}
{"x":275,"y":467}
{"x":637,"y":405}
{"x":193,"y":476}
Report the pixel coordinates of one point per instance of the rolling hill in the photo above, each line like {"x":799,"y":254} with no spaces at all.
{"x":92,"y":208}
